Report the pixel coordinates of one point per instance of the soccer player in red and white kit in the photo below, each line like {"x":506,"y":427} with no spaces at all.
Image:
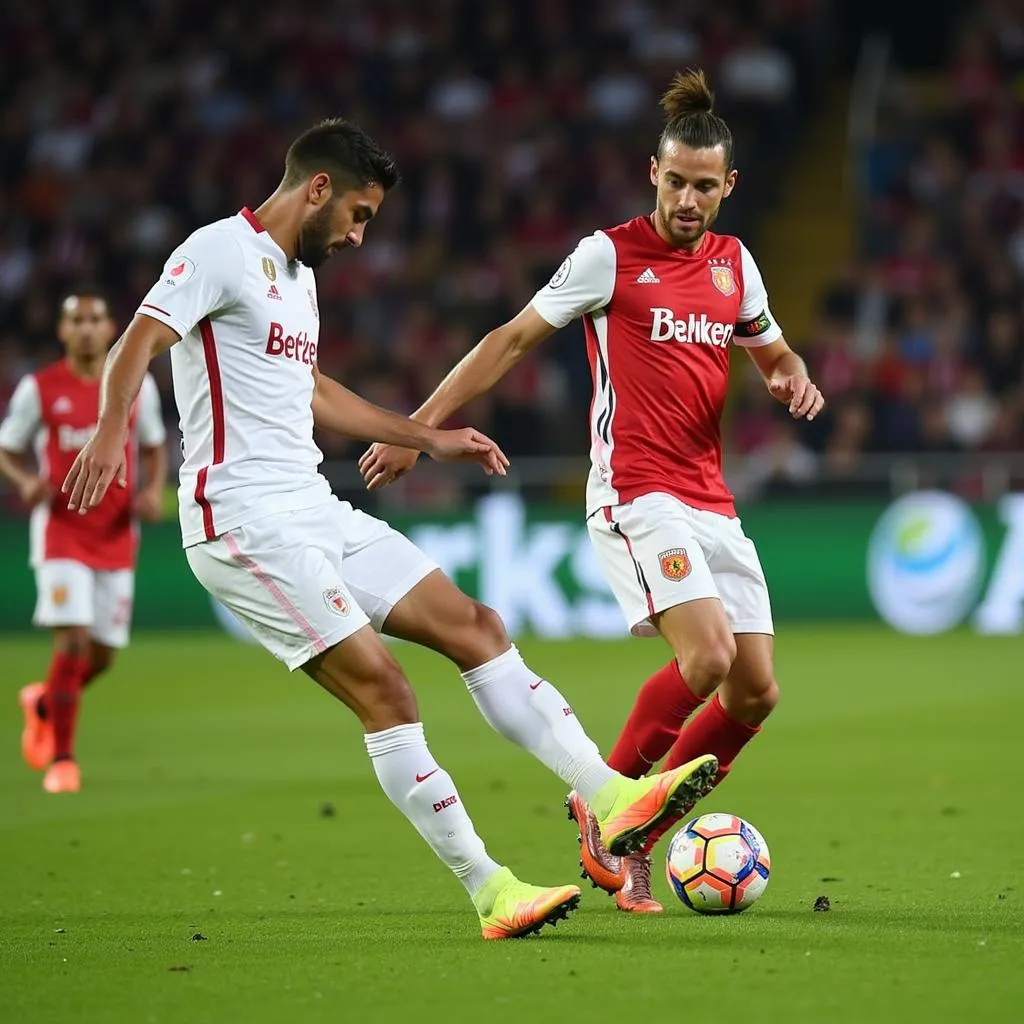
{"x":314,"y":579}
{"x":663,"y":300}
{"x":84,"y":567}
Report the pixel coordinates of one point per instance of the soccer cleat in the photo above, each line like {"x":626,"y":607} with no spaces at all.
{"x":641,"y":805}
{"x":37,"y":734}
{"x":635,"y":894}
{"x":518,"y":909}
{"x":62,"y":777}
{"x":604,"y":870}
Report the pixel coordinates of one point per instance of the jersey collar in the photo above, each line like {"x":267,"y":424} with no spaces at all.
{"x":252,"y":219}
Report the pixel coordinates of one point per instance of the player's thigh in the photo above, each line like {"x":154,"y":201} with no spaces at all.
{"x":65,"y":594}
{"x":438,"y":615}
{"x":381,"y":566}
{"x":738,"y":575}
{"x":115,"y":595}
{"x":364,"y":675}
{"x":276,"y":577}
{"x":651,"y":558}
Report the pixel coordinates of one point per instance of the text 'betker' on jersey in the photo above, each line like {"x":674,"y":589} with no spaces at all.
{"x":659,"y":323}
{"x":243,"y":376}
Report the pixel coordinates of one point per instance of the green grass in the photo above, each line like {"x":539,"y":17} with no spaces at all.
{"x":891,"y":765}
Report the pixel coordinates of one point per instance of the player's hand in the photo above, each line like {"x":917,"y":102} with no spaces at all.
{"x":149,"y":505}
{"x":467,"y":445}
{"x":34,"y":490}
{"x":383,"y":464}
{"x":96,"y":466}
{"x":800,"y":393}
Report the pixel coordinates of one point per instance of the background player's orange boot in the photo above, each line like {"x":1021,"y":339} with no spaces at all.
{"x":37,"y":734}
{"x":635,"y":894}
{"x":604,"y":869}
{"x":62,"y":777}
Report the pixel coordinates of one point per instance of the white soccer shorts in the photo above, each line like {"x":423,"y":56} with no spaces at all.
{"x":657,"y":552}
{"x":303,"y":581}
{"x":69,"y":593}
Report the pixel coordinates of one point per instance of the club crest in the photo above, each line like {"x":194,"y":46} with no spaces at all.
{"x":675,"y":564}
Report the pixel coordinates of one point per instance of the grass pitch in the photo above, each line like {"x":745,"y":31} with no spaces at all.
{"x":231,"y":858}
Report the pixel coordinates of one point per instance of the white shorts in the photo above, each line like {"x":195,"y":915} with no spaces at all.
{"x":303,"y":581}
{"x":657,"y":552}
{"x":71,"y":594}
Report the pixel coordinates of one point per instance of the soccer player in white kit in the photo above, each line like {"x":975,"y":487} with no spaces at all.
{"x":663,"y":301}
{"x":314,"y":579}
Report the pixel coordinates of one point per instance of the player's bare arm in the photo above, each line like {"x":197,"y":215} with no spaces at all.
{"x":785,"y":374}
{"x":102,"y":458}
{"x":149,"y":502}
{"x":475,"y":374}
{"x":344,"y":412}
{"x":32,"y":488}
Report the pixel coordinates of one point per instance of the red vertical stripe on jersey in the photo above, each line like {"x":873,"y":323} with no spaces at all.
{"x":640,"y":577}
{"x":217,"y":412}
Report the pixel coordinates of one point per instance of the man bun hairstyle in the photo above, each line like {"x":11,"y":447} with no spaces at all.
{"x":336,"y":147}
{"x":690,"y":119}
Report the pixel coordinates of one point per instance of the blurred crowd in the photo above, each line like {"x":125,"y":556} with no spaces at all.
{"x":519,"y":127}
{"x":920,"y":344}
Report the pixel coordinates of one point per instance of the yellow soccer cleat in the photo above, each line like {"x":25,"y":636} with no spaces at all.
{"x":510,"y":909}
{"x":639,"y":806}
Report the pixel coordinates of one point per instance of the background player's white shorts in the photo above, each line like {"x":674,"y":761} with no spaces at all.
{"x":303,"y":581}
{"x":71,"y":594}
{"x":657,"y":552}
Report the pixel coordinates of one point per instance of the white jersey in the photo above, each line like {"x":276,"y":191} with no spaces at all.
{"x":243,"y":376}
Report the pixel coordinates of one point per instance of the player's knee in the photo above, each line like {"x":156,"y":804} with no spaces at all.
{"x":708,"y":663}
{"x":73,"y":641}
{"x":477,"y":637}
{"x":101,"y":659}
{"x":752,"y":703}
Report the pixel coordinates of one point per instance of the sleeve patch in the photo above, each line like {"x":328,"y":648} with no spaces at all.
{"x":561,"y":275}
{"x":752,"y":328}
{"x":178,"y":270}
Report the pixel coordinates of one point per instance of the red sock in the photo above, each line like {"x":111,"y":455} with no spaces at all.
{"x":662,"y":705}
{"x":89,"y":674}
{"x":712,"y":731}
{"x":63,"y":686}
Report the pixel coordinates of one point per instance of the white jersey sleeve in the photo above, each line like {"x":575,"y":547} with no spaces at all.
{"x":584,"y":282}
{"x":755,"y":325}
{"x":23,"y":418}
{"x":150,"y":423}
{"x":204,"y":275}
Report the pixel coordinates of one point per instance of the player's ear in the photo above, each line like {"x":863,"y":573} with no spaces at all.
{"x":320,"y":189}
{"x":654,"y":171}
{"x":730,"y":182}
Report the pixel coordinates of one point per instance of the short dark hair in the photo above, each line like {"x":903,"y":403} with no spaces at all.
{"x":342,"y":150}
{"x":690,"y":119}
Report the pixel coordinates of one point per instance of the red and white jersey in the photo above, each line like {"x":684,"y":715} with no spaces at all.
{"x":243,"y":376}
{"x":659,"y":322}
{"x":54,"y":412}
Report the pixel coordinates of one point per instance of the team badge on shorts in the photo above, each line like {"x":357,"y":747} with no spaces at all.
{"x":675,"y":564}
{"x":335,"y":601}
{"x":59,"y":596}
{"x":269,"y":270}
{"x":722,"y":279}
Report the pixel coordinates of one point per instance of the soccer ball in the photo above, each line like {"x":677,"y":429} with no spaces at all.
{"x":718,"y":864}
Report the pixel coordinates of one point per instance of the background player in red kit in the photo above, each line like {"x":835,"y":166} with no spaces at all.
{"x":84,"y":565}
{"x":662,"y":299}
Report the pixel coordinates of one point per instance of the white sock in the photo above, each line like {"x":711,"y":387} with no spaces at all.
{"x":426,"y":795}
{"x":529,"y":711}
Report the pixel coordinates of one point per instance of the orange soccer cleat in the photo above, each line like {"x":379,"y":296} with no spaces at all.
{"x":510,"y":909}
{"x":63,"y":776}
{"x":635,"y":894}
{"x":604,"y":870}
{"x":37,"y":734}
